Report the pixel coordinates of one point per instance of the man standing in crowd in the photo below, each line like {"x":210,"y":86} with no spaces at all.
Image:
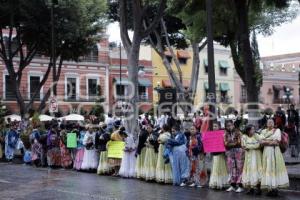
{"x":293,"y":130}
{"x":279,"y":118}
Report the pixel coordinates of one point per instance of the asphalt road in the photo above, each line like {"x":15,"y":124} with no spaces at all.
{"x":20,"y":182}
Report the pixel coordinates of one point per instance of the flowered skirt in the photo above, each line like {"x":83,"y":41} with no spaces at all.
{"x":198,"y":173}
{"x":219,"y":173}
{"x":54,"y":157}
{"x":150,"y":164}
{"x":274,"y":173}
{"x":78,"y":159}
{"x":66,"y":158}
{"x":163,"y":172}
{"x":252,"y":171}
{"x":235,"y":163}
{"x":127,"y":169}
{"x":139,"y":166}
{"x":103,"y":167}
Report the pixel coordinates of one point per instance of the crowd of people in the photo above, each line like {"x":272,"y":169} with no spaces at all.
{"x":166,"y":150}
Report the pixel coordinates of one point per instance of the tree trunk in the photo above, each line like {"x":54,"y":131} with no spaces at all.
{"x":249,"y":66}
{"x":132,"y":95}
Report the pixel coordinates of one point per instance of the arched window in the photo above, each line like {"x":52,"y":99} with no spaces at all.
{"x":92,"y":56}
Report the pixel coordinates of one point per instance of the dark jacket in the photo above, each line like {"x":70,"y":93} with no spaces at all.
{"x":142,"y":139}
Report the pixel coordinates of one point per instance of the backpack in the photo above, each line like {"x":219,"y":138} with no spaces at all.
{"x":284,"y":143}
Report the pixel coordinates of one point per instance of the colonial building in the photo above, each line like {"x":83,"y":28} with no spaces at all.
{"x":77,"y":88}
{"x":280,"y":82}
{"x":224,"y":71}
{"x":118,"y":78}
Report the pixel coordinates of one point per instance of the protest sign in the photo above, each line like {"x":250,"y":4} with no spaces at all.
{"x":213,"y":141}
{"x":115,"y":149}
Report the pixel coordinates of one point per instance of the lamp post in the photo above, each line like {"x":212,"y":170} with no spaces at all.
{"x":210,"y":56}
{"x":120,"y":84}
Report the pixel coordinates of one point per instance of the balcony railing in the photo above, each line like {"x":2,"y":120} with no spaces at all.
{"x":225,"y":100}
{"x":283,"y":101}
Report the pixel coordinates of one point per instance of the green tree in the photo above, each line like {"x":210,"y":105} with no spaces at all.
{"x":233,"y":21}
{"x":132,"y":16}
{"x":98,"y":109}
{"x":28,"y":23}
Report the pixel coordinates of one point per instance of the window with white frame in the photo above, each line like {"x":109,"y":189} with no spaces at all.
{"x":9,"y":90}
{"x":34,"y":82}
{"x":92,"y":88}
{"x":143,"y":93}
{"x":71,"y":88}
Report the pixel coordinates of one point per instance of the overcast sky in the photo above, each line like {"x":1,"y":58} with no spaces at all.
{"x":286,"y":38}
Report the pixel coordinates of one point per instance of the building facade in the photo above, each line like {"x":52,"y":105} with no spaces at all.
{"x":118,"y":78}
{"x":78,"y":85}
{"x":224,"y":71}
{"x":280,"y":82}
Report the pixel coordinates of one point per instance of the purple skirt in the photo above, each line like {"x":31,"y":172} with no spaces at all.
{"x":78,"y":159}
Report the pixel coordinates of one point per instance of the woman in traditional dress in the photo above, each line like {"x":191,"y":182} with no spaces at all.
{"x":66,"y":158}
{"x":274,"y":173}
{"x":36,"y":147}
{"x":151,"y":154}
{"x":115,"y":163}
{"x":235,"y":157}
{"x":195,"y":152}
{"x":163,"y":170}
{"x":177,"y":152}
{"x":219,"y":174}
{"x":141,"y":152}
{"x":80,"y":149}
{"x":252,"y":171}
{"x":90,"y":157}
{"x":103,"y":167}
{"x":11,"y":140}
{"x":127,"y":169}
{"x":53,"y":150}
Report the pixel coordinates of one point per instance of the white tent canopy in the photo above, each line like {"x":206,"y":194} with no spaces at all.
{"x":13,"y":117}
{"x":45,"y":118}
{"x":72,"y":117}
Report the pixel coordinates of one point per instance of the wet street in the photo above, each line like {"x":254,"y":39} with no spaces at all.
{"x":20,"y":182}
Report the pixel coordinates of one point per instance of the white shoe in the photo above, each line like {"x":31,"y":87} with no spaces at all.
{"x":239,"y":190}
{"x":182,"y":184}
{"x":192,"y":185}
{"x":230,"y":189}
{"x":199,"y":186}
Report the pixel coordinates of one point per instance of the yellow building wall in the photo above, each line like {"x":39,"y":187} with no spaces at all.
{"x":221,"y":53}
{"x":160,"y":72}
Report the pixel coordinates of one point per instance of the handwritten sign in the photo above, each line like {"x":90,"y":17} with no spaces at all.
{"x":115,"y":149}
{"x":71,"y":140}
{"x":213,"y":141}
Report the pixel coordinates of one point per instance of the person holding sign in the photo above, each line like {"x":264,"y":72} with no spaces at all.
{"x":235,"y":157}
{"x":66,"y":159}
{"x":219,"y":174}
{"x":90,"y":157}
{"x":117,"y":143}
